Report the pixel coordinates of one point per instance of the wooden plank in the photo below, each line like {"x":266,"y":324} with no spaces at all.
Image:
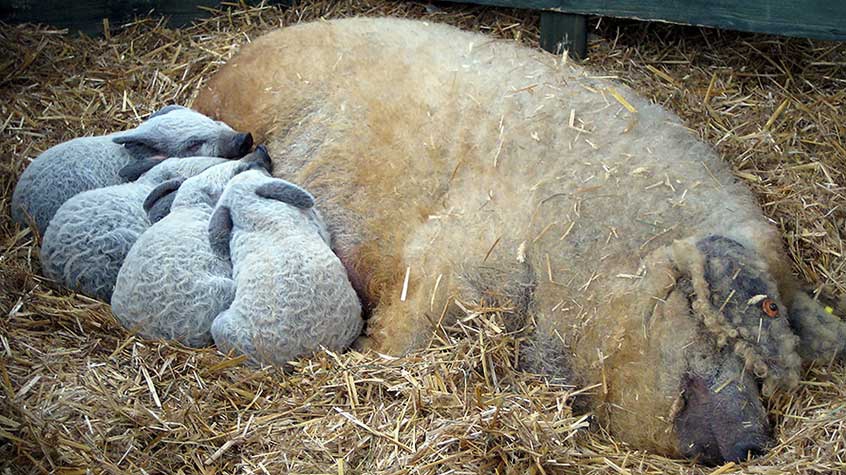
{"x":87,"y":15}
{"x":821,"y":19}
{"x":564,"y":32}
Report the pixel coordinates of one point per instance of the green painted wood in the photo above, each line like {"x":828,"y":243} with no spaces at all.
{"x":87,"y":15}
{"x":564,"y":32}
{"x":821,"y":19}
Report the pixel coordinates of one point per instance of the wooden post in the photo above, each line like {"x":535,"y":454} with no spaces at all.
{"x":562,"y":31}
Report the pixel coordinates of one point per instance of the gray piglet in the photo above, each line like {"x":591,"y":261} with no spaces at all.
{"x":172,"y":285}
{"x":90,"y":235}
{"x":292,"y":294}
{"x":87,"y":163}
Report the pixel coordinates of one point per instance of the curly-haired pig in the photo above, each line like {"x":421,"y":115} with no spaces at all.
{"x":87,"y":240}
{"x":87,"y":163}
{"x":292,"y":295}
{"x":453,"y":167}
{"x":172,"y":285}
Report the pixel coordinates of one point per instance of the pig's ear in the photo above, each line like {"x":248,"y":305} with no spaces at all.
{"x":286,"y":192}
{"x":138,"y":167}
{"x":142,"y":142}
{"x":164,"y":110}
{"x":822,"y":334}
{"x":158,"y":202}
{"x":220,"y":230}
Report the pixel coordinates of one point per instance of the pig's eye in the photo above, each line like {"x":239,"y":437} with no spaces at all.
{"x":194,"y":145}
{"x":770,"y":308}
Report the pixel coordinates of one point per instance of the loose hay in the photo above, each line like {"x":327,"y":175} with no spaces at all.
{"x":79,"y":393}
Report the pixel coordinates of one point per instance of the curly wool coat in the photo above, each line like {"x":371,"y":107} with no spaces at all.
{"x":88,"y":238}
{"x":492,"y":173}
{"x":88,"y":163}
{"x":172,"y":285}
{"x":292,"y":294}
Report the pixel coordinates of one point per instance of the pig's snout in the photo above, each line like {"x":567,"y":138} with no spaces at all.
{"x":722,"y":422}
{"x":743,"y":450}
{"x":243,"y":143}
{"x":261,"y":158}
{"x":258,"y":160}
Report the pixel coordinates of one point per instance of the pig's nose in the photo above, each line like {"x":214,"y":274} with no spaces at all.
{"x":258,"y":160}
{"x":244,"y":142}
{"x":263,"y":158}
{"x":726,"y":425}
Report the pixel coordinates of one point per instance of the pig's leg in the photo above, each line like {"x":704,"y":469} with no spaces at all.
{"x":398,"y":327}
{"x":231,"y":331}
{"x":406,"y":320}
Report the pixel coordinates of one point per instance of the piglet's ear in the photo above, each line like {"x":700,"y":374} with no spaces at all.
{"x":164,"y":110}
{"x":140,"y":143}
{"x":158,"y":202}
{"x":286,"y":192}
{"x":220,"y":231}
{"x":138,"y":167}
{"x":160,"y":208}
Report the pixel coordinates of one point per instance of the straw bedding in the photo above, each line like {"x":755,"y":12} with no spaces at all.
{"x":78,"y":394}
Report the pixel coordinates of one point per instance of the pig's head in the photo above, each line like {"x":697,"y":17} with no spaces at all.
{"x":203,"y":189}
{"x":176,"y":131}
{"x":689,"y":370}
{"x":255,"y":200}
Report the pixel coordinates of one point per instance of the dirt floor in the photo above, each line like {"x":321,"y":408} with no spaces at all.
{"x":79,"y":394}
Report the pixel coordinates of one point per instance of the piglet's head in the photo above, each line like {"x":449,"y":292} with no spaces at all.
{"x":198,"y":181}
{"x":255,"y":200}
{"x":712,"y":337}
{"x":176,"y":131}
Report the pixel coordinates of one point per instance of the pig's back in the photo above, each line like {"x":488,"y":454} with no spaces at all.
{"x":407,"y":131}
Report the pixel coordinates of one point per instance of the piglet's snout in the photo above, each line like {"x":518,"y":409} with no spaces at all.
{"x":258,"y":160}
{"x":723,"y":419}
{"x":262,"y":156}
{"x":244,"y":143}
{"x":236,"y":145}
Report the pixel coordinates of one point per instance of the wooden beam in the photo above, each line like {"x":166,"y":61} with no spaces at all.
{"x":87,"y":15}
{"x":820,"y":19}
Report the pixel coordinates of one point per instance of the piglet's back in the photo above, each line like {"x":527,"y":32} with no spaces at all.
{"x":298,"y":313}
{"x":172,"y":285}
{"x":87,"y":240}
{"x":62,"y":171}
{"x":171,"y":271}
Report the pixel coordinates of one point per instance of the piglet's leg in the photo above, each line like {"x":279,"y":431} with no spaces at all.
{"x":231,"y":332}
{"x":822,"y":334}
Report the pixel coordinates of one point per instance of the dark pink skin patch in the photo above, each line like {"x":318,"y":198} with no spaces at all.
{"x":718,"y":427}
